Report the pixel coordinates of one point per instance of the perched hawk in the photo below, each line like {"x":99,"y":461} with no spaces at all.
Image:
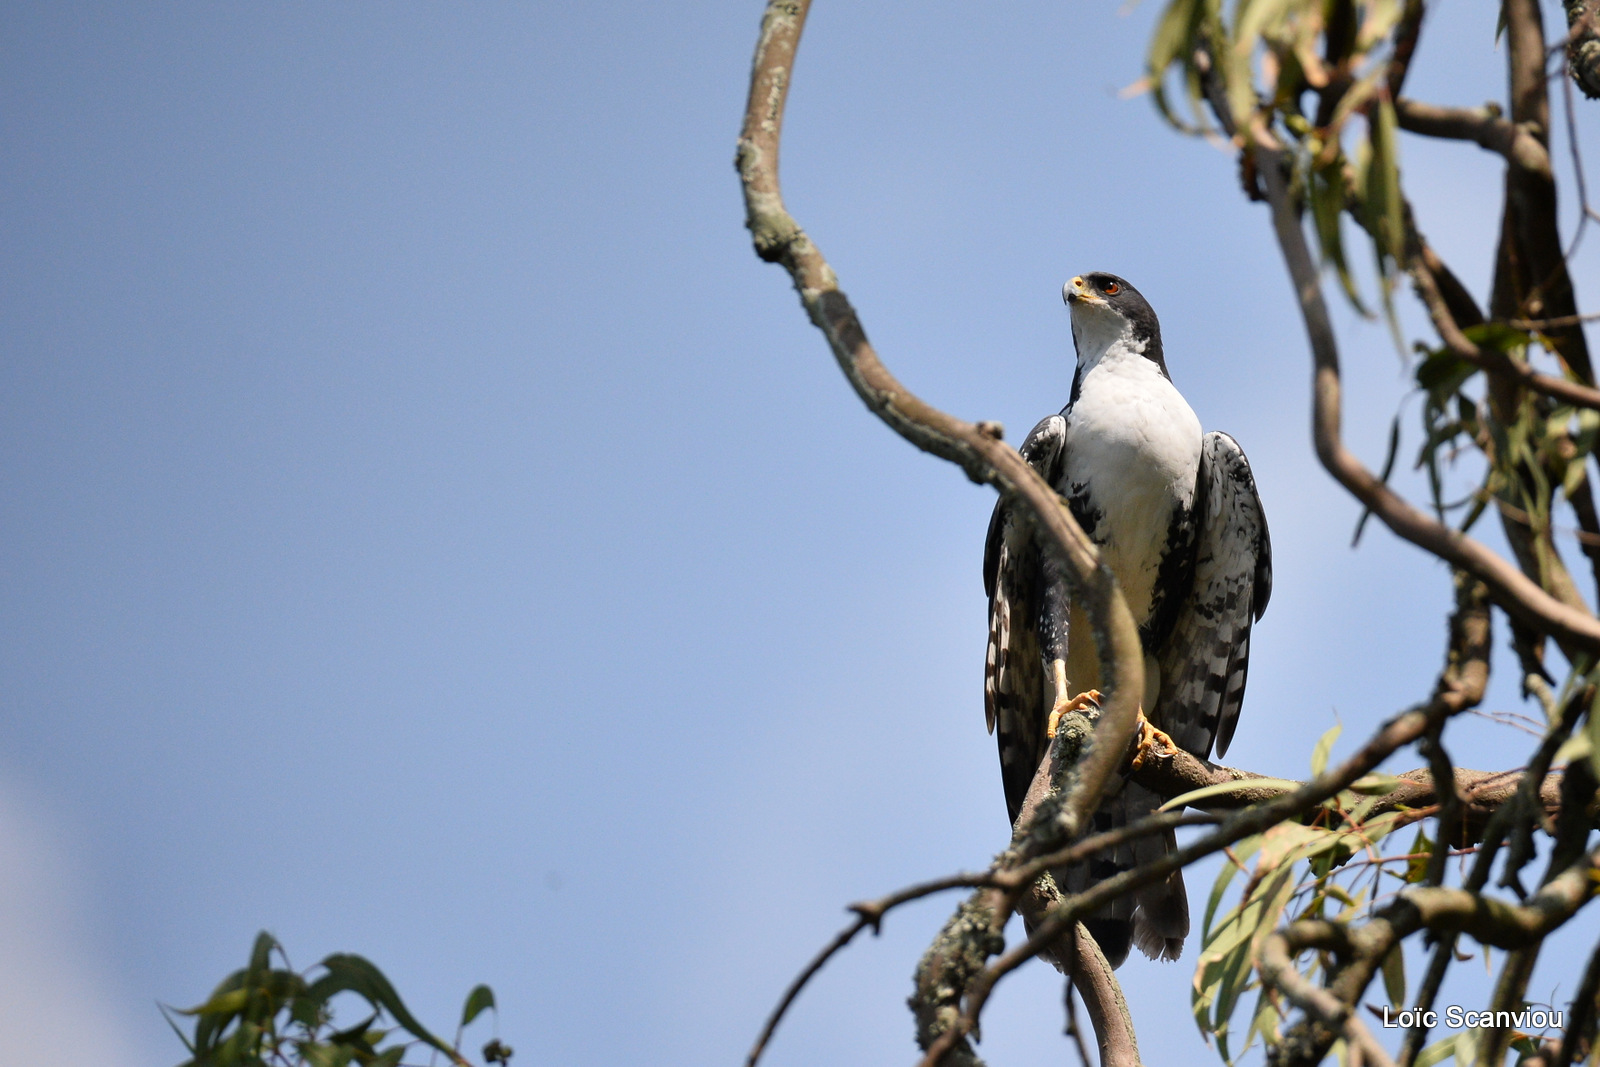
{"x":1178,"y":521}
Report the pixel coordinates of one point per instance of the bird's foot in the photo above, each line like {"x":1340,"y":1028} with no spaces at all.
{"x":1089,"y":698}
{"x":1147,"y":740}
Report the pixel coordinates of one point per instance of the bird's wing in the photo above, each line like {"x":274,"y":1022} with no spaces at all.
{"x":1016,"y":696}
{"x":1205,"y":658}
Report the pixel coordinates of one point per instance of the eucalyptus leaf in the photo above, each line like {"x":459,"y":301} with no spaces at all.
{"x":480,"y":998}
{"x":351,"y":973}
{"x":1394,"y":976}
{"x":1244,"y":785}
{"x":1436,"y":1053}
{"x":1319,"y":754}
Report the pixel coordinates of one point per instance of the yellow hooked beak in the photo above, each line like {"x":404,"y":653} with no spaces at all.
{"x":1078,"y":290}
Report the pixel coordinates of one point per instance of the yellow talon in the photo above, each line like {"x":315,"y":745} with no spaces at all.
{"x":1147,"y":740}
{"x":1088,"y":698}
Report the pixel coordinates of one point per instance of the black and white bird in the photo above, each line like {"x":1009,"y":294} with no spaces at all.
{"x":1176,"y":517}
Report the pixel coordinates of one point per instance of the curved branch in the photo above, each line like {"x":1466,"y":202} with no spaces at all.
{"x":1482,"y":125}
{"x":1276,"y":967}
{"x":1511,"y":589}
{"x":1102,"y":996}
{"x":974,"y":447}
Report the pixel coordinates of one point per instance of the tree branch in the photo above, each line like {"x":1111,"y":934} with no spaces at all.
{"x":1482,"y":125}
{"x":1405,"y":45}
{"x":974,"y":447}
{"x":1519,"y":596}
{"x":1583,"y":45}
{"x":976,"y":931}
{"x":1276,"y":967}
{"x":1531,"y":279}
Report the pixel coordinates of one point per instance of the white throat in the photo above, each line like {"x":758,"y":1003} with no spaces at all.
{"x":1099,"y":335}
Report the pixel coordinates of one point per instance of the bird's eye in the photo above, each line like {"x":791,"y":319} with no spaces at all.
{"x":1111,"y":289}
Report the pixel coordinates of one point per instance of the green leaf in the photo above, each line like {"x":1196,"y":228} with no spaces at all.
{"x":1355,"y":98}
{"x":1435,"y":1053}
{"x":356,"y":1036}
{"x":351,"y":973}
{"x":480,"y":998}
{"x":1421,"y":849}
{"x":1375,"y":785}
{"x":227,"y":1003}
{"x":1384,"y":199}
{"x":1283,"y":842}
{"x":1243,"y":785}
{"x":1443,"y":372}
{"x":319,"y":1055}
{"x":1394,"y":977}
{"x":1242,"y":851}
{"x":1171,"y":43}
{"x":1339,"y":893}
{"x":1319,"y":755}
{"x":1577,"y":468}
{"x":1326,"y":194}
{"x":1253,"y":19}
{"x":1388,"y":469}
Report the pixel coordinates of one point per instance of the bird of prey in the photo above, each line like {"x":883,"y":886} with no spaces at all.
{"x":1176,"y":517}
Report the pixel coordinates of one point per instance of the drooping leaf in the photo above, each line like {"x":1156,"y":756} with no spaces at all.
{"x":1242,"y":852}
{"x":1383,"y":197}
{"x":1388,"y":469}
{"x":1436,"y":1053}
{"x":351,"y":973}
{"x":1394,"y":976}
{"x":1319,"y":754}
{"x":1172,"y":42}
{"x":1421,"y":849}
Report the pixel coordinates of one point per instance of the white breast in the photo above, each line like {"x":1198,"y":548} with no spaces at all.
{"x":1133,"y":445}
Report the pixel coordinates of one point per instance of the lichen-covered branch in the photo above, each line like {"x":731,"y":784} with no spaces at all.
{"x":1583,"y":45}
{"x":975,"y":932}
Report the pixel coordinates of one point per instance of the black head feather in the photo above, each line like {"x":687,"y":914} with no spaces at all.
{"x":1131,"y":305}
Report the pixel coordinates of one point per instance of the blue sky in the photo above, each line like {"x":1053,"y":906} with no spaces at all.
{"x":427,"y":531}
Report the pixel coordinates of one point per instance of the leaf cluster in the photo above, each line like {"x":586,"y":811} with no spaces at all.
{"x":1301,"y":870}
{"x":1532,"y":452}
{"x":1308,"y":70}
{"x":269,"y":1015}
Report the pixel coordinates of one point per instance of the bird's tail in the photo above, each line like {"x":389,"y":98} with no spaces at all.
{"x":1155,"y":917}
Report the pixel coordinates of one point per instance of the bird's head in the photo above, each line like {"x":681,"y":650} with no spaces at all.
{"x":1106,"y":309}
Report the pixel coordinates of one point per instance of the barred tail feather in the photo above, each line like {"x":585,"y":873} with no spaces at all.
{"x":1154,"y":918}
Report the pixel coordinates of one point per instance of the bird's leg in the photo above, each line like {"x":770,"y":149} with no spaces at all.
{"x":1065,"y":705}
{"x":1147,"y":740}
